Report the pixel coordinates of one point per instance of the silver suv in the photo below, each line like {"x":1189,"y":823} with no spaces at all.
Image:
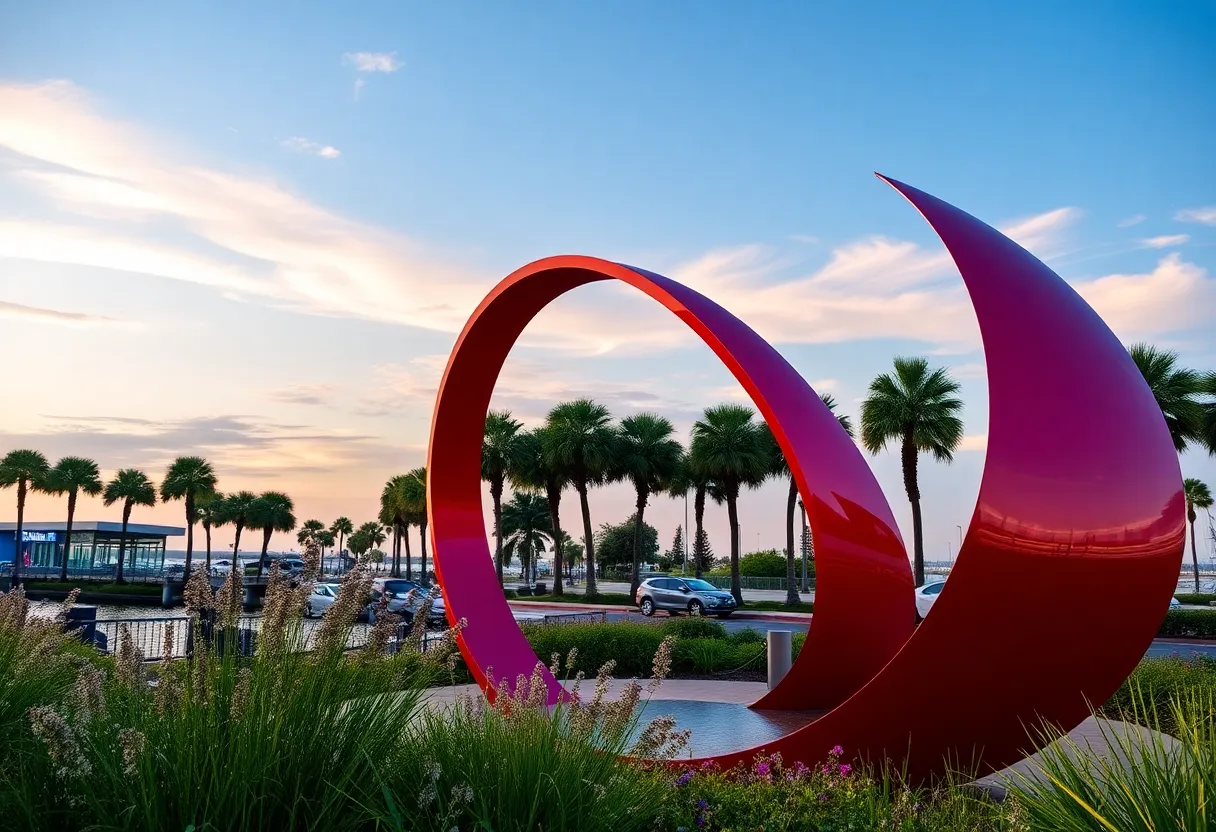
{"x":691,"y":595}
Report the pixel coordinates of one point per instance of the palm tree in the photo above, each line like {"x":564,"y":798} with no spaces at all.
{"x":1176,"y":390}
{"x":579,"y":440}
{"x":395,"y":513}
{"x":358,"y":543}
{"x":271,"y":512}
{"x":526,"y":529}
{"x":1197,"y":496}
{"x":210,"y":511}
{"x":236,"y":509}
{"x":309,"y":530}
{"x":325,"y":539}
{"x":649,"y":457}
{"x":415,"y":490}
{"x":186,"y":479}
{"x":781,"y":468}
{"x":1207,"y":427}
{"x":500,"y":454}
{"x":371,"y":534}
{"x":28,"y":470}
{"x":534,"y":472}
{"x":132,"y":488}
{"x":73,"y":475}
{"x":342,"y":527}
{"x":731,"y":450}
{"x":917,"y":407}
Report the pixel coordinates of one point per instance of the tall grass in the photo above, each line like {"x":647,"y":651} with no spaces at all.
{"x":1150,"y":783}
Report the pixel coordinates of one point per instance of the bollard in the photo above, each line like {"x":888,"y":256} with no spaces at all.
{"x":780,"y":655}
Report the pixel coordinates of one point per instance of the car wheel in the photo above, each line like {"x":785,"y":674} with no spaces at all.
{"x":696,"y":608}
{"x":723,"y":615}
{"x":308,"y":612}
{"x":647,"y":607}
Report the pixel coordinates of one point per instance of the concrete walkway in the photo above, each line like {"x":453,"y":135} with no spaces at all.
{"x":1089,"y":738}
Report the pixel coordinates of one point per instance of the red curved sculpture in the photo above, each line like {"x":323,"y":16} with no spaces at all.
{"x":1083,"y":495}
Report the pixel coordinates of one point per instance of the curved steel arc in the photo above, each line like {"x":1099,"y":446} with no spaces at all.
{"x":857,"y":544}
{"x":1081,"y":491}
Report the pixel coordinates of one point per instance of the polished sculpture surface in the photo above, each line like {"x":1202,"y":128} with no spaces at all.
{"x":1084,"y":496}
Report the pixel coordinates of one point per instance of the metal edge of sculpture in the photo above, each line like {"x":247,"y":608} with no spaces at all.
{"x":1081,"y":490}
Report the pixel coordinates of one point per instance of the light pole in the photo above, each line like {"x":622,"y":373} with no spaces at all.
{"x":960,"y":535}
{"x":802,"y":540}
{"x":684,"y":565}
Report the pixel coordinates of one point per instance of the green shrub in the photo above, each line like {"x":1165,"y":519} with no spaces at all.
{"x":702,"y":655}
{"x":1203,"y":599}
{"x":631,"y":645}
{"x":693,"y":627}
{"x":797,"y":640}
{"x":153,"y":590}
{"x":768,"y":564}
{"x":1157,"y":681}
{"x":746,"y":636}
{"x":1189,"y":624}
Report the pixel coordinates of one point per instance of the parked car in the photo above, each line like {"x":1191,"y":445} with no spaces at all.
{"x":926,"y":595}
{"x":403,"y":603}
{"x":290,"y":565}
{"x":676,"y":595}
{"x":1175,"y":604}
{"x":221,"y":567}
{"x":323,"y":595}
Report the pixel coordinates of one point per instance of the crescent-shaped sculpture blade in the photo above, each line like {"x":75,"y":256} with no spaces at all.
{"x":1081,"y":494}
{"x":859,"y":553}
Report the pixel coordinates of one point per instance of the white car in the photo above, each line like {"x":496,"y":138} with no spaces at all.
{"x":323,"y":595}
{"x":221,"y":567}
{"x":926,"y":595}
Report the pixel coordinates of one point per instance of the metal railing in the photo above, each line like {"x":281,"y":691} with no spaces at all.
{"x":148,"y":634}
{"x":752,"y":582}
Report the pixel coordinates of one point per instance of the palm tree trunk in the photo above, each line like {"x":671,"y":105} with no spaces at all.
{"x":496,"y":496}
{"x":122,"y":543}
{"x":1194,"y":552}
{"x":207,"y":532}
{"x":634,"y":578}
{"x":409,"y":559}
{"x":396,"y":570}
{"x":732,"y":513}
{"x":422,"y":547}
{"x":698,"y":508}
{"x":809,"y":553}
{"x":588,"y":543}
{"x":342,"y":557}
{"x":67,"y":544}
{"x":910,"y":485}
{"x":266,"y":533}
{"x":555,"y":520}
{"x":18,"y":543}
{"x":236,"y":548}
{"x":189,"y":530}
{"x":791,"y":578}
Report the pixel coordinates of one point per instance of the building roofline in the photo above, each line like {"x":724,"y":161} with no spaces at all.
{"x":96,"y":526}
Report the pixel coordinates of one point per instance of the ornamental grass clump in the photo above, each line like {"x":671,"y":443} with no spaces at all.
{"x":1152,"y":781}
{"x":282,"y":739}
{"x":518,"y":765}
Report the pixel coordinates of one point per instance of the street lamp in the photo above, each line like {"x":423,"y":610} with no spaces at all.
{"x":960,"y":535}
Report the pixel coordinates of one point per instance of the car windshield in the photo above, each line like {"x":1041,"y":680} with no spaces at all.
{"x":698,"y":585}
{"x":398,"y":588}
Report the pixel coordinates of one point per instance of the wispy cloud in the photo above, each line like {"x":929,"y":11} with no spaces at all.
{"x":1165,"y":241}
{"x":302,"y":145}
{"x":1205,"y":215}
{"x":974,"y":442}
{"x":373,"y":61}
{"x":54,"y":316}
{"x":309,"y":394}
{"x":1174,"y":296}
{"x":1130,"y":221}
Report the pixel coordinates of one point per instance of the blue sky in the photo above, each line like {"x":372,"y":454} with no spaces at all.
{"x":255,"y":231}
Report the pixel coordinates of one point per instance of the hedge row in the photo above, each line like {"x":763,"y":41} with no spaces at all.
{"x":1189,"y":624}
{"x":1201,"y":598}
{"x":702,"y":646}
{"x":1152,"y":684}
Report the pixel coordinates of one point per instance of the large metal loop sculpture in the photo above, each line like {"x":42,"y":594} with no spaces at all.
{"x":1081,"y":493}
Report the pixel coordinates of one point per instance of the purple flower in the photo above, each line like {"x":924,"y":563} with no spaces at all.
{"x":762,"y":770}
{"x":823,"y":798}
{"x":825,"y":770}
{"x":702,"y":805}
{"x":683,"y":779}
{"x":845,"y":769}
{"x":836,"y":751}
